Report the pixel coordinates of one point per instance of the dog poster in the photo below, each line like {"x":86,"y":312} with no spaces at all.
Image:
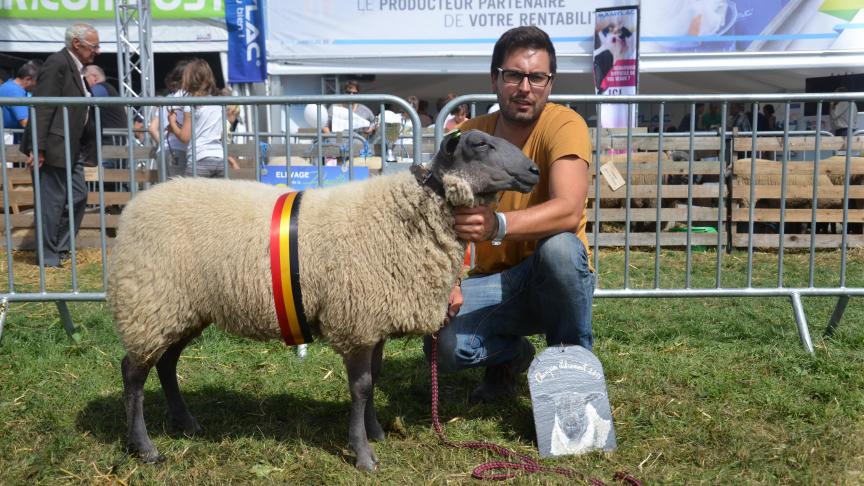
{"x":616,"y":61}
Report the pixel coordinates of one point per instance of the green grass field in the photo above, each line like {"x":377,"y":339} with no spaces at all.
{"x":704,"y":391}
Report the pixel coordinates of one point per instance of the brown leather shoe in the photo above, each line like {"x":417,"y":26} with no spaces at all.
{"x":499,"y":381}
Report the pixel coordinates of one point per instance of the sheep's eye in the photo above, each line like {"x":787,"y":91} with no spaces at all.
{"x":482,"y":146}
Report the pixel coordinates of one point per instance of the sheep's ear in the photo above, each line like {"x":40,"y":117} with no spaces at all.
{"x":450,"y":142}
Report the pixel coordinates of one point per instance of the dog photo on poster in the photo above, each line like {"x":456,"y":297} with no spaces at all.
{"x":616,"y":61}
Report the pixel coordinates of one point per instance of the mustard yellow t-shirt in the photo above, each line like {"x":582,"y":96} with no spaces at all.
{"x":560,"y":132}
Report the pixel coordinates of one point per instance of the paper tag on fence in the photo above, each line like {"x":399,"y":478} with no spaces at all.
{"x":612,"y":176}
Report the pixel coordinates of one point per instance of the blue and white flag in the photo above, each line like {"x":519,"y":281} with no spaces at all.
{"x":247,"y":54}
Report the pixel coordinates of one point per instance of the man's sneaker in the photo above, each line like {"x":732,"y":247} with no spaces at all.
{"x":499,"y":382}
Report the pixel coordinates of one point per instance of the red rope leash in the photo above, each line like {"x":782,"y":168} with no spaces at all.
{"x":510,"y":468}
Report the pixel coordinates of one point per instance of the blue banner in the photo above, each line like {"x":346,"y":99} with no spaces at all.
{"x":247,"y":54}
{"x":306,"y":177}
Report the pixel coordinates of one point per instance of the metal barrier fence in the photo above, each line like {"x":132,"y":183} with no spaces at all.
{"x":144,"y":165}
{"x":726,"y":142}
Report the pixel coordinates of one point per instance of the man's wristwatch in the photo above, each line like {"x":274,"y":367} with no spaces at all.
{"x":502,"y":229}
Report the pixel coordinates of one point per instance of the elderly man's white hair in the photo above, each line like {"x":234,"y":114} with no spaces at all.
{"x":94,"y":70}
{"x":77,"y":31}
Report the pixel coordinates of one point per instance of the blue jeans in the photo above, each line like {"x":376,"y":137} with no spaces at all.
{"x":548,"y":293}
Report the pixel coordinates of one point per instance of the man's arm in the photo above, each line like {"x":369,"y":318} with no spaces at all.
{"x":52,"y":75}
{"x":568,"y":190}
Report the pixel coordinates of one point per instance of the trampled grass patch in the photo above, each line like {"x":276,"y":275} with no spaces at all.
{"x":704,"y":391}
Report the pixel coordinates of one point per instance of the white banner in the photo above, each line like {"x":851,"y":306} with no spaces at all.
{"x":398,"y":28}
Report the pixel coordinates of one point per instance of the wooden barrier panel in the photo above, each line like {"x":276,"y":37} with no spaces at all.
{"x":798,"y":199}
{"x":673,"y":189}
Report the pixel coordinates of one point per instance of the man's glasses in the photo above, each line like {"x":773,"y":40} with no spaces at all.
{"x":95,"y":47}
{"x":537,"y":80}
{"x":351,"y":92}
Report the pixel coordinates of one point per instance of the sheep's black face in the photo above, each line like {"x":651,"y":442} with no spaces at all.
{"x":489,"y":164}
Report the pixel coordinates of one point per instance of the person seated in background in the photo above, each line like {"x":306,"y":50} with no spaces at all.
{"x":840,"y":115}
{"x":766,"y":121}
{"x":361,"y":113}
{"x":712,"y":118}
{"x":684,"y":124}
{"x":439,"y":105}
{"x":459,"y":115}
{"x":420,"y":107}
{"x":111,"y":116}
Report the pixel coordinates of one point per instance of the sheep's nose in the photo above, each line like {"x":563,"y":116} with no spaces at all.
{"x":534,"y":170}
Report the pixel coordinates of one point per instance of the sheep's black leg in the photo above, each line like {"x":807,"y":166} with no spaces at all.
{"x":359,"y":367}
{"x":166,"y":367}
{"x":373,"y":427}
{"x":137,"y":440}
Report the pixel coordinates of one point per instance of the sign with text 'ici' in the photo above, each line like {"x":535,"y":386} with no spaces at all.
{"x":247,"y":56}
{"x":306,"y":177}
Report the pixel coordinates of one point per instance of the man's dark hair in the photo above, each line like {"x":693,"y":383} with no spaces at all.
{"x":28,"y":70}
{"x":521,"y":38}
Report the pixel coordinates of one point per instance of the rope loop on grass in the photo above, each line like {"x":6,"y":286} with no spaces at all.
{"x":510,"y":468}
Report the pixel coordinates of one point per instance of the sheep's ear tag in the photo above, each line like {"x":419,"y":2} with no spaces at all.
{"x":571,"y":406}
{"x":451,"y":141}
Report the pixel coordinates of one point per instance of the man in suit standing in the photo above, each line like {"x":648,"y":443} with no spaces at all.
{"x":62,"y":75}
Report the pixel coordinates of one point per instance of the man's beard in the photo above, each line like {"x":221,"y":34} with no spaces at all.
{"x":511,"y":113}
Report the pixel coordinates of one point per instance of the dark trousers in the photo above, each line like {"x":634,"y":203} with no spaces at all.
{"x":55,"y":212}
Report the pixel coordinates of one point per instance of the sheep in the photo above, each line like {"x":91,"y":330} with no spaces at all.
{"x":377,"y":258}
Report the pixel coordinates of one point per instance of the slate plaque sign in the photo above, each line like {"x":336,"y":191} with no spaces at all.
{"x":571,"y":406}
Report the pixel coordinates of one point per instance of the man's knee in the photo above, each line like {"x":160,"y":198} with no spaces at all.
{"x":446,"y":356}
{"x":562,"y":254}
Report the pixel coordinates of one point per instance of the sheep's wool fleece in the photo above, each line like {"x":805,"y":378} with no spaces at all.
{"x":377,"y":258}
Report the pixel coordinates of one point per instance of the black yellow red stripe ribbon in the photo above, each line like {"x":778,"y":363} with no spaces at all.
{"x":285,"y":270}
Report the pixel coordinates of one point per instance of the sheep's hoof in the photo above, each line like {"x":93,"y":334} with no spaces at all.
{"x":190,"y":427}
{"x":366,"y":465}
{"x":151,"y":456}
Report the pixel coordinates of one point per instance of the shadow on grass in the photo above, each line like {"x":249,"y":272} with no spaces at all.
{"x":223,"y":412}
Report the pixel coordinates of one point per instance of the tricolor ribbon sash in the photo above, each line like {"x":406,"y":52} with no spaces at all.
{"x":285,"y":270}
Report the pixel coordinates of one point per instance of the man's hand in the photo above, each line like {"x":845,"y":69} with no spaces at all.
{"x":454,"y":302}
{"x":41,"y":159}
{"x":475,"y":224}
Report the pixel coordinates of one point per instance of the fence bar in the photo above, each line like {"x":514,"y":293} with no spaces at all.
{"x":7,"y":227}
{"x":163,"y":143}
{"x":752,"y":208}
{"x":720,"y":203}
{"x":628,"y":197}
{"x":784,"y":180}
{"x":691,"y":154}
{"x":256,"y":144}
{"x":815,"y":201}
{"x":225,"y":135}
{"x":847,"y":175}
{"x":659,"y":199}
{"x":70,"y":205}
{"x":37,"y":198}
{"x":597,"y":161}
{"x":351,"y":142}
{"x":130,"y":145}
{"x":319,"y":163}
{"x":100,"y":167}
{"x":801,"y":321}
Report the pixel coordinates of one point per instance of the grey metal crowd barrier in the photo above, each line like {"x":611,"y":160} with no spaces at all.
{"x":728,"y":142}
{"x":137,"y":175}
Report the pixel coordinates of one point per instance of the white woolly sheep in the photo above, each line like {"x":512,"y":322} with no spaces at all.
{"x":377,"y":258}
